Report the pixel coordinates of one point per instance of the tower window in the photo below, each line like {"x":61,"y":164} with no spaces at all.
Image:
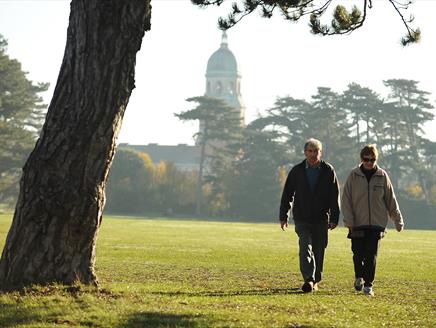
{"x":219,"y":87}
{"x":231,"y":88}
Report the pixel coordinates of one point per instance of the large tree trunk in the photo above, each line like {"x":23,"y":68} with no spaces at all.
{"x":59,"y":209}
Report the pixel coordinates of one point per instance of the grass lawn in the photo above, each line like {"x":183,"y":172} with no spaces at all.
{"x":168,"y":273}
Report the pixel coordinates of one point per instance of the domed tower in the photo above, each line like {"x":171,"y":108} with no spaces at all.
{"x":223,"y":79}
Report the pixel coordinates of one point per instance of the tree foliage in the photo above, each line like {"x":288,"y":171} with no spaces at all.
{"x":331,"y":125}
{"x":344,"y":123}
{"x":255,"y":186}
{"x":245,"y":178}
{"x":137,"y":186}
{"x":130,"y":181}
{"x":21,"y":116}
{"x":343,"y":20}
{"x":409,"y":109}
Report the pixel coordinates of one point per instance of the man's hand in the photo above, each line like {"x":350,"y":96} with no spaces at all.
{"x":399,"y":226}
{"x":332,"y":225}
{"x":283,"y":225}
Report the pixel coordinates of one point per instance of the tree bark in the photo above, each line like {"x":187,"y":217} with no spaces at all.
{"x":199,"y":189}
{"x":59,"y":209}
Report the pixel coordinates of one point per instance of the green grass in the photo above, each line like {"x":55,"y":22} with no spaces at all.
{"x":165,"y":273}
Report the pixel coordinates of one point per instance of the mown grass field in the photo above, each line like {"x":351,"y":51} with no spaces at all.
{"x":168,"y":273}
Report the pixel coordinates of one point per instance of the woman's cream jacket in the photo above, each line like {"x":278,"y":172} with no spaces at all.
{"x":370,"y":203}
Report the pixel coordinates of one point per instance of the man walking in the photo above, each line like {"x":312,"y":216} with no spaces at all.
{"x":312,"y":189}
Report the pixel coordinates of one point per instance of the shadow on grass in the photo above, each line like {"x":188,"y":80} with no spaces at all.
{"x":12,"y":315}
{"x":250,"y":292}
{"x":157,"y":320}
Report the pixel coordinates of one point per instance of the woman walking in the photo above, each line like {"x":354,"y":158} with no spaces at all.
{"x":368,"y":200}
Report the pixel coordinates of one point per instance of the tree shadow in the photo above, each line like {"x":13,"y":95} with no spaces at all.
{"x":249,"y":292}
{"x":158,"y":320}
{"x":12,"y":315}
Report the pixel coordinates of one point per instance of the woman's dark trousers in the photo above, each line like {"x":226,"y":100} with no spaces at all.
{"x":365,"y":251}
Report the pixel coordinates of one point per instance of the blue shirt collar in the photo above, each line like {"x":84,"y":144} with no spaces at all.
{"x":312,"y":167}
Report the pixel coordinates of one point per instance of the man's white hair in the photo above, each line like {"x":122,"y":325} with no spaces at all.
{"x":312,"y":143}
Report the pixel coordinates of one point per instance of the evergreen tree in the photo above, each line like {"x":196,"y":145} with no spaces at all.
{"x":364,"y":107}
{"x":288,"y":119}
{"x":21,"y":117}
{"x":393,"y":142}
{"x":296,"y":120}
{"x":220,"y":130}
{"x":328,"y":123}
{"x":412,"y":111}
{"x":256,"y":187}
{"x":429,"y":153}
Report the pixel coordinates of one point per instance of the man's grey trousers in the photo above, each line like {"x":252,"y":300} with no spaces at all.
{"x":313,"y":239}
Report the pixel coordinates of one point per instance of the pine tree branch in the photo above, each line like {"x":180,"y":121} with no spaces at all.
{"x":412,"y":35}
{"x":343,"y":22}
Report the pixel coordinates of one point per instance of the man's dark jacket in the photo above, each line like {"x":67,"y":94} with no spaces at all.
{"x":321,"y":205}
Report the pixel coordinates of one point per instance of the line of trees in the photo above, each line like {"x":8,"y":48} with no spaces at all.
{"x":242,"y":168}
{"x":358,"y":116}
{"x":245,"y":167}
{"x":345,"y":122}
{"x":138,"y":186}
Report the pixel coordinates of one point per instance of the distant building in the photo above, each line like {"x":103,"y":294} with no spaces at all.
{"x":223,"y":80}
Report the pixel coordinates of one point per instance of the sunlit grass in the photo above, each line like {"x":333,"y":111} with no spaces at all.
{"x":165,"y":273}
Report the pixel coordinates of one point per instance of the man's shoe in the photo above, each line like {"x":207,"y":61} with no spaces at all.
{"x":315,"y":287}
{"x":358,"y":284}
{"x":307,"y":287}
{"x":368,"y":291}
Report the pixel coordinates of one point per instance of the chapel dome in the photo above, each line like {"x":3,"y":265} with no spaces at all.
{"x":223,"y":59}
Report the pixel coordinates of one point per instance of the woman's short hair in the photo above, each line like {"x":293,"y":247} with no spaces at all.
{"x":369,"y":150}
{"x":313,"y":143}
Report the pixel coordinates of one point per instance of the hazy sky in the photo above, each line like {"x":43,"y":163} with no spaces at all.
{"x":276,"y":58}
